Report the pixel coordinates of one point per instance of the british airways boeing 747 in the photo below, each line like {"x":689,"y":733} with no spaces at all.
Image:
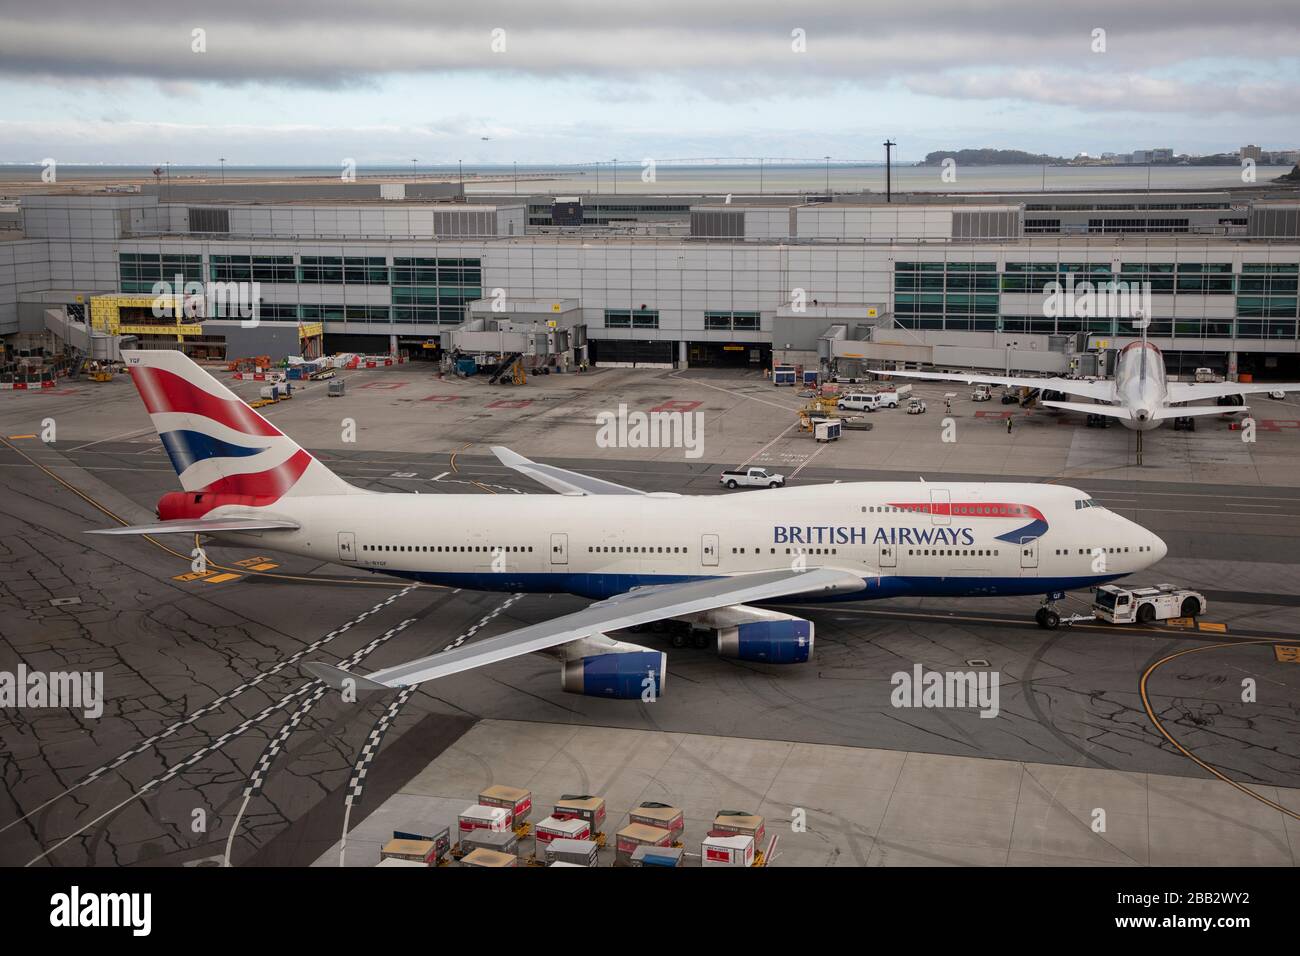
{"x":642,"y":556}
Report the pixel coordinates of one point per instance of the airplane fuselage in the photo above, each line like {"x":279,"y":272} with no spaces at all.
{"x":902,"y":538}
{"x":1140,"y":384}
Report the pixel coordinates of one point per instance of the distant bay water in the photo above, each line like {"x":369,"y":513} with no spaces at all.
{"x":707,"y":179}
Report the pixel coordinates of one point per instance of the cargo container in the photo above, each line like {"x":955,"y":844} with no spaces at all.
{"x":417,"y":851}
{"x":502,"y":841}
{"x":737,"y":850}
{"x":440,"y":838}
{"x":572,"y":852}
{"x":657,"y":856}
{"x":583,"y":806}
{"x":518,"y":802}
{"x":783,"y":375}
{"x":738,"y":821}
{"x":478,"y":817}
{"x":636,"y":835}
{"x":553,"y":828}
{"x":659,"y":815}
{"x":489,"y":858}
{"x":394,"y":861}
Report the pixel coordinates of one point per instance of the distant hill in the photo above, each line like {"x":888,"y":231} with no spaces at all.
{"x":1291,"y":177}
{"x":990,"y":157}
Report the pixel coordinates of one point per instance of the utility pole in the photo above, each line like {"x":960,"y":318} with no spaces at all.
{"x":889,"y":182}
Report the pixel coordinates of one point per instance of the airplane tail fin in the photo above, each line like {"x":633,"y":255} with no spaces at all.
{"x":215,"y":441}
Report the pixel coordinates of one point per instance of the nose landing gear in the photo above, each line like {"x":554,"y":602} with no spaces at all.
{"x":1049,"y":616}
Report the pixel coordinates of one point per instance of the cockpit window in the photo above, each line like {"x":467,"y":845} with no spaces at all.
{"x":1087,"y":503}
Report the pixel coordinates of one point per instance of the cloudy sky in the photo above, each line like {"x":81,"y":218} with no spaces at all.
{"x":278,"y":81}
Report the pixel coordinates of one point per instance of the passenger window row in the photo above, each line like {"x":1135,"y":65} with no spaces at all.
{"x":955,"y":552}
{"x":439,"y":548}
{"x":788,"y":550}
{"x":1116,"y":550}
{"x":635,"y":549}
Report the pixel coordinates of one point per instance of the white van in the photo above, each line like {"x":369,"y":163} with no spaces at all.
{"x":860,"y":402}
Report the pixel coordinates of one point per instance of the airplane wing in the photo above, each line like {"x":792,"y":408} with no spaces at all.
{"x":558,"y":479}
{"x":1102,"y":390}
{"x":638,"y":606}
{"x":202,"y":526}
{"x":1112,"y":411}
{"x":1199,"y":391}
{"x":1190,"y":411}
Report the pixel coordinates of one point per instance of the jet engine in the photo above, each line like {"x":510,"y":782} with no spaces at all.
{"x":759,"y":635}
{"x":603,"y":667}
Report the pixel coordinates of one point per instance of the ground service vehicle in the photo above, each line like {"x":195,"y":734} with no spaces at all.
{"x":916,"y":407}
{"x":752,"y":478}
{"x":861,"y":402}
{"x":1117,"y":605}
{"x":981,"y":393}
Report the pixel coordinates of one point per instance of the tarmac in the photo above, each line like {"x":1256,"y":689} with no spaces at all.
{"x":214,"y":743}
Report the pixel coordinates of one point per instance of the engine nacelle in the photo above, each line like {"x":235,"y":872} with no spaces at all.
{"x":761,"y":636}
{"x":603,"y":667}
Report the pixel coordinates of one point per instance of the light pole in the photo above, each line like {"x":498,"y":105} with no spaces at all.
{"x":222,"y":161}
{"x":413,"y":162}
{"x":614,"y":162}
{"x":889,"y":169}
{"x":516,"y":165}
{"x":828,"y":175}
{"x":760,"y":175}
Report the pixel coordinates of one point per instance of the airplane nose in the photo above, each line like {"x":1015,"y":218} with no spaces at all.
{"x":1158,"y":548}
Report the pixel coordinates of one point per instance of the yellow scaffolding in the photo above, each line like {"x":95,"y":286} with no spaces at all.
{"x":106,"y":316}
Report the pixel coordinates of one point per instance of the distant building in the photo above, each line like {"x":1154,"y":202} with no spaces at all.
{"x":1141,"y":156}
{"x":1250,"y":152}
{"x":1162,"y":155}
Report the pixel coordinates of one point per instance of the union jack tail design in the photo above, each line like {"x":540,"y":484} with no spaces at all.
{"x":216,"y":442}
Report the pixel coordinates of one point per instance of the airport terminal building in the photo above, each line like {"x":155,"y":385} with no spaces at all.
{"x":760,"y":279}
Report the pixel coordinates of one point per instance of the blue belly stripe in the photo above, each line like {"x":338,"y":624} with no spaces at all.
{"x":600,"y":586}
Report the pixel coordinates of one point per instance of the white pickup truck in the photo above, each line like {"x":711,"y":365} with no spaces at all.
{"x":752,"y":478}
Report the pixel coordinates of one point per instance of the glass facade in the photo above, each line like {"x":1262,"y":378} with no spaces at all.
{"x":434,"y":290}
{"x":631,"y":319}
{"x":964,"y":296}
{"x":139,"y":271}
{"x":424,"y":291}
{"x":732,"y":321}
{"x":1267,"y":300}
{"x":952,"y":295}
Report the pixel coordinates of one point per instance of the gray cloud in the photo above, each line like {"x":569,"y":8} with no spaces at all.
{"x":335,"y":43}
